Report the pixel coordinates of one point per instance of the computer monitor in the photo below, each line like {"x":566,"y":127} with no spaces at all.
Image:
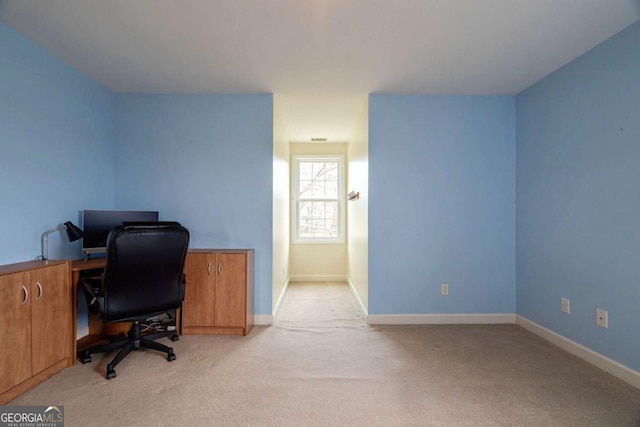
{"x":96,"y":225}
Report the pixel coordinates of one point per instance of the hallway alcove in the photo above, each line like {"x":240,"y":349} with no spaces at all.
{"x":300,"y":271}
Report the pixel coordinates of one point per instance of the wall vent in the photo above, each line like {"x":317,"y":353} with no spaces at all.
{"x":318,"y":139}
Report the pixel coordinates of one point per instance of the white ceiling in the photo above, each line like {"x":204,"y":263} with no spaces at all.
{"x":320,"y":58}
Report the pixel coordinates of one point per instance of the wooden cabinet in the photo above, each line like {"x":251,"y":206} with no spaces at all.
{"x":35,"y":324}
{"x":219,"y":292}
{"x":15,"y":330}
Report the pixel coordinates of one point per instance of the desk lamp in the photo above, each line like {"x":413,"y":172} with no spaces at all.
{"x":73,"y":233}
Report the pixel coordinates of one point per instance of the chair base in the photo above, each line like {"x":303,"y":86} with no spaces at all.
{"x":133,"y":342}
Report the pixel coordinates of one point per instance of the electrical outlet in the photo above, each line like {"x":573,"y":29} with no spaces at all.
{"x":565,"y":305}
{"x":444,"y":289}
{"x":602,"y":318}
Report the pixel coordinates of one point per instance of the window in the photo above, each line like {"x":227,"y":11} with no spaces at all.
{"x":318,"y":194}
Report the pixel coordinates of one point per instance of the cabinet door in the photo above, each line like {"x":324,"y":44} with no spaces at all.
{"x":15,"y":329}
{"x":199,"y":292}
{"x":50,"y":316}
{"x":231,"y":290}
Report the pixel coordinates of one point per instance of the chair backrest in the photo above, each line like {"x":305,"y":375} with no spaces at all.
{"x":143,"y":275}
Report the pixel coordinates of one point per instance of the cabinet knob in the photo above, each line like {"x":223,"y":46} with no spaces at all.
{"x":26,"y":295}
{"x":209,"y":268}
{"x":40,"y":291}
{"x":219,"y":268}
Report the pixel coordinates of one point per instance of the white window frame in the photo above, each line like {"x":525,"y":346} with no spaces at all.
{"x":297,"y":159}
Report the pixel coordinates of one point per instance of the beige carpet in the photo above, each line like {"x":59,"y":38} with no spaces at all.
{"x":330,"y":369}
{"x":320,"y":305}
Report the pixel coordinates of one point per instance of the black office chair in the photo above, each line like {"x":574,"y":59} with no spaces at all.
{"x":143,"y":277}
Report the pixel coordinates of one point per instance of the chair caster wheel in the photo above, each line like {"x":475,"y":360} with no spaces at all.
{"x":175,"y":337}
{"x":111,"y":373}
{"x":85,"y":359}
{"x":171,"y":356}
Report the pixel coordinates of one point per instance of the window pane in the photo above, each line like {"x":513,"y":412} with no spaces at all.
{"x":331,"y":171}
{"x":318,"y":170}
{"x":306,"y":189}
{"x":331,"y":190}
{"x":306,"y":171}
{"x":305,"y":209}
{"x":318,"y":190}
{"x":318,"y":210}
{"x":331,"y":210}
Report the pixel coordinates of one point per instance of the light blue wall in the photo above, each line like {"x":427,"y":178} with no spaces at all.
{"x":578,"y":198}
{"x":206,"y":161}
{"x":441,"y":207}
{"x":56,"y":152}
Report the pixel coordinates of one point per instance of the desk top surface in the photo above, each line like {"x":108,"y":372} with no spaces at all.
{"x":89,"y":264}
{"x":28,"y":265}
{"x":81,"y":265}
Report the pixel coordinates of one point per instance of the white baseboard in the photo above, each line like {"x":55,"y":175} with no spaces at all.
{"x":262,"y":319}
{"x":281,"y":298}
{"x":318,"y":278}
{"x":361,"y":306}
{"x":440,"y":319}
{"x":616,"y":369}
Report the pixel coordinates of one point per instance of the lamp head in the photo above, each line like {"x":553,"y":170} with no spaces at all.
{"x":73,"y":232}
